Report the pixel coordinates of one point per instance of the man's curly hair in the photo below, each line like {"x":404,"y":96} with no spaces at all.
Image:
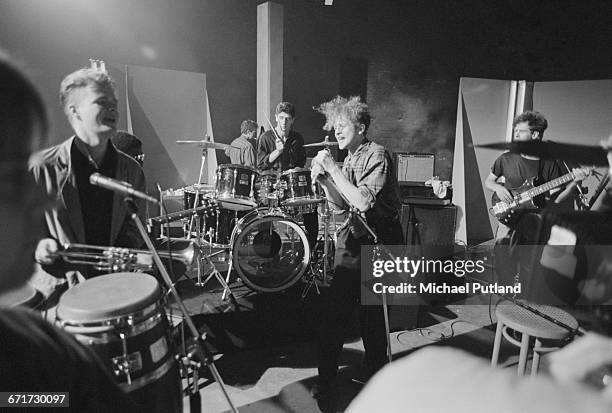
{"x":352,"y":109}
{"x":535,"y":120}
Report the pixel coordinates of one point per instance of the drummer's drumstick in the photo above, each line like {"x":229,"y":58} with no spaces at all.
{"x":272,"y":127}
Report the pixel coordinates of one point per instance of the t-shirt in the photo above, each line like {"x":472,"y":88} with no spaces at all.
{"x":35,"y":356}
{"x":516,"y":169}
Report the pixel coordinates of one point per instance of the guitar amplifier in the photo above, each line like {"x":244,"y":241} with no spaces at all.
{"x":414,"y":168}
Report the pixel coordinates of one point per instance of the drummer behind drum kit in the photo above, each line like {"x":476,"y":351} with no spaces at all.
{"x":255,"y":218}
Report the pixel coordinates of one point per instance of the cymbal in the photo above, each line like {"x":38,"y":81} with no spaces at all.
{"x":206,"y":144}
{"x":202,"y":187}
{"x":321,"y":144}
{"x":582,"y":154}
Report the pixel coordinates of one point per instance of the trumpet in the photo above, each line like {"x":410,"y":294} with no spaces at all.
{"x":117,"y":259}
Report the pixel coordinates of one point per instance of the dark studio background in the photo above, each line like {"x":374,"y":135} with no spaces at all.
{"x":407,"y":54}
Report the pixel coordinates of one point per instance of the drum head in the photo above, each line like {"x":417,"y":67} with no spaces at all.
{"x":270,"y":252}
{"x":108,"y":296}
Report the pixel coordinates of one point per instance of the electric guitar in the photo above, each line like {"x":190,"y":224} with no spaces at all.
{"x":527,"y":196}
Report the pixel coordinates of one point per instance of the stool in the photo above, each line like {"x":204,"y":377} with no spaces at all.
{"x":530,"y":325}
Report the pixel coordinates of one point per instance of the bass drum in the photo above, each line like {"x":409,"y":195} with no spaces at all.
{"x":270,"y":251}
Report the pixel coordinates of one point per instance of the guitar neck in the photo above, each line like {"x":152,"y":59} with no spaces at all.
{"x":539,"y":190}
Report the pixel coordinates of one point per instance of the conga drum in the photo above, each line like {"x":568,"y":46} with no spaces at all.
{"x":121,"y":317}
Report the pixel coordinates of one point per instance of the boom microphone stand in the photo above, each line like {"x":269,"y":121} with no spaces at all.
{"x":197,"y":354}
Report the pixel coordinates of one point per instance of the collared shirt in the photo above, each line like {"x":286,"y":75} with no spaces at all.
{"x":293,"y":155}
{"x":243,"y":152}
{"x":96,"y":202}
{"x":370,"y":169}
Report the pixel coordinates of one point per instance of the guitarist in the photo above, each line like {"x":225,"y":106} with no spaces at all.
{"x":515,"y":169}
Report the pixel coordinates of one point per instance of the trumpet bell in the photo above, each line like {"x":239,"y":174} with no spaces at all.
{"x":181,"y":256}
{"x":180,"y":252}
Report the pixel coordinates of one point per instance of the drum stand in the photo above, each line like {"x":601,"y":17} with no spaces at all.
{"x":196,"y":355}
{"x":215,"y":273}
{"x":197,"y":189}
{"x":196,"y":220}
{"x":315,"y":272}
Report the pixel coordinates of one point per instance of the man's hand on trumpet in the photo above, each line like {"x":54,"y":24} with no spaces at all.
{"x":46,"y":251}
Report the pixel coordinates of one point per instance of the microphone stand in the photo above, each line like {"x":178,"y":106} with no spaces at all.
{"x":197,"y":354}
{"x":354,"y":213}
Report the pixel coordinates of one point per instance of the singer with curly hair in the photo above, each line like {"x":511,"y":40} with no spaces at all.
{"x":367,"y":185}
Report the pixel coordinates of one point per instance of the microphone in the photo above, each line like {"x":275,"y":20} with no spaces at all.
{"x":322,"y":178}
{"x":119,"y":187}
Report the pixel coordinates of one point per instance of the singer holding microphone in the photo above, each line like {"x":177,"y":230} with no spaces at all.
{"x":84,"y":213}
{"x":367,"y":185}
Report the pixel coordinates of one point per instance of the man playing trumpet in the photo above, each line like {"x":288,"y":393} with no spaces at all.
{"x":84,"y":213}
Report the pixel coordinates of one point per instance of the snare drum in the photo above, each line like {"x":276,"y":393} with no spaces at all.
{"x":121,"y":318}
{"x":297,"y":188}
{"x":235,"y":187}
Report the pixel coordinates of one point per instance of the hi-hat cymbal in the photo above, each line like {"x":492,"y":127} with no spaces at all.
{"x":582,"y":154}
{"x":320,"y":144}
{"x":206,"y":144}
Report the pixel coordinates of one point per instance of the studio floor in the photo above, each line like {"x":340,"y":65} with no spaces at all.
{"x":266,"y":350}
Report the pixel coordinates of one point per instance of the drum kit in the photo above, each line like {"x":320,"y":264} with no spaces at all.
{"x":252,"y":221}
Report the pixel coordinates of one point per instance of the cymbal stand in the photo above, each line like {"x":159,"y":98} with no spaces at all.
{"x":195,"y":220}
{"x":197,"y":354}
{"x":197,"y":192}
{"x":326,"y":239}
